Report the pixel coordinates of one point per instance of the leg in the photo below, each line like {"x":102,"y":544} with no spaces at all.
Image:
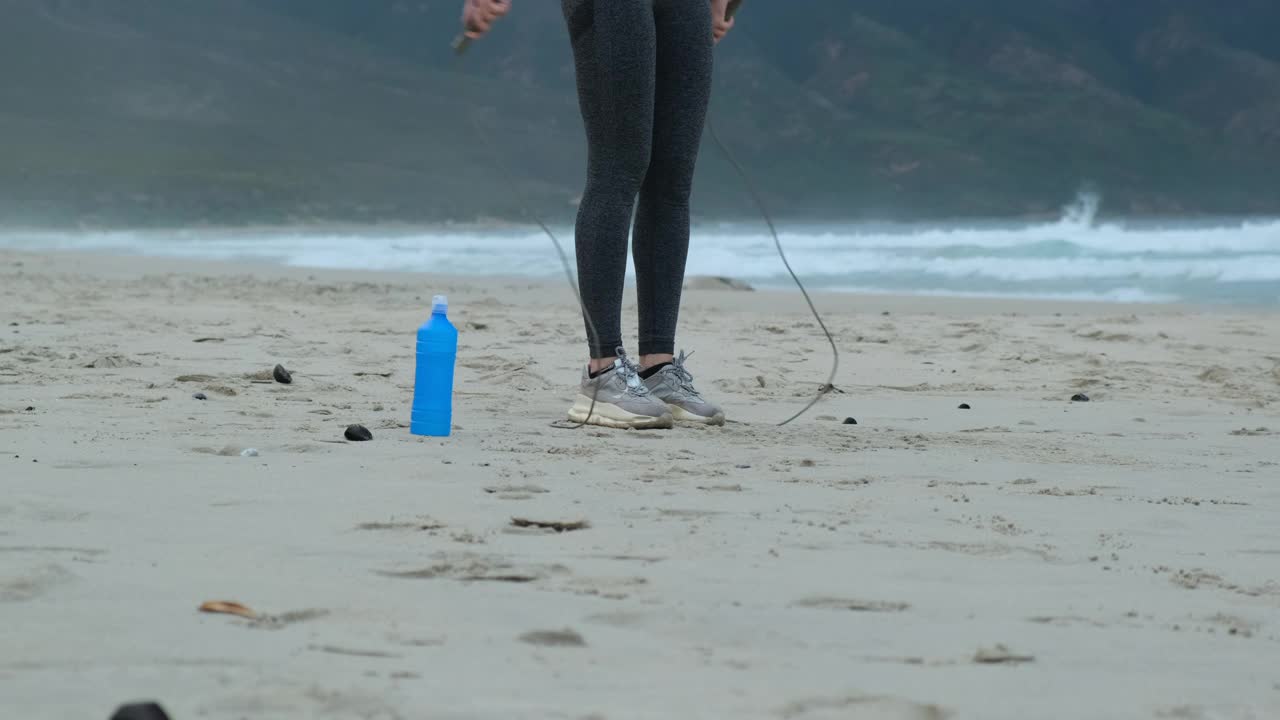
{"x":682,"y":92}
{"x":614,"y":50}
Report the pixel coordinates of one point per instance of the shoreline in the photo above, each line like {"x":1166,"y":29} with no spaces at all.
{"x":123,"y":264}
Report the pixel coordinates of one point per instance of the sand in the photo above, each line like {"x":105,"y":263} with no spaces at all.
{"x":1027,"y":558}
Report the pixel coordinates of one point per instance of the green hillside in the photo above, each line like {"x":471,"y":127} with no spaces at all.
{"x":291,"y":111}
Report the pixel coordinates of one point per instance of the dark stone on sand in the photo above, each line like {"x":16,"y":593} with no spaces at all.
{"x":281,"y":375}
{"x":140,"y":711}
{"x":1079,"y":397}
{"x":965,"y":406}
{"x":358,"y":433}
{"x":200,"y":396}
{"x":849,"y":421}
{"x":30,"y":408}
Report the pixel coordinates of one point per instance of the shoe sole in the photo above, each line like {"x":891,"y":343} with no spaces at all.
{"x":611,"y":416}
{"x":682,"y":415}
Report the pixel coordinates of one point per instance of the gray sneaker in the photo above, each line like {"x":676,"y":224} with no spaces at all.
{"x":673,"y":385}
{"x":619,"y":399}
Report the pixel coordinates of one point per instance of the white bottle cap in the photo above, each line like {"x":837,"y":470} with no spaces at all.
{"x":439,"y":303}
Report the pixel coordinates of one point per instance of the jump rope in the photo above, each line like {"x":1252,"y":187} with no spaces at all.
{"x":460,"y":46}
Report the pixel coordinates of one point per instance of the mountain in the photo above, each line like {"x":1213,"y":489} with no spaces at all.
{"x":225,"y":112}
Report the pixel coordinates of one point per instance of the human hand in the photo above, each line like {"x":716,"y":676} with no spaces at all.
{"x":721,"y":23}
{"x":478,"y":16}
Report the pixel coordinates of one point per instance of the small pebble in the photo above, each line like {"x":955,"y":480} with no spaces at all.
{"x":249,"y":452}
{"x":200,"y":396}
{"x":358,"y":433}
{"x":1079,"y":397}
{"x":281,"y":375}
{"x":965,"y":406}
{"x":850,"y":421}
{"x":30,"y":408}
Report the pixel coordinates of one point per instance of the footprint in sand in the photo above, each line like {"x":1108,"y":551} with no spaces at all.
{"x":881,"y":708}
{"x":554,"y":638}
{"x":33,"y":583}
{"x":856,"y":605}
{"x":515,"y":492}
{"x":478,"y":568}
{"x":422,"y":524}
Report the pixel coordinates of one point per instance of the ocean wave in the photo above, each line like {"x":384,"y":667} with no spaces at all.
{"x":1115,"y":295}
{"x":1076,"y":232}
{"x":1075,"y":256}
{"x":1256,"y":268}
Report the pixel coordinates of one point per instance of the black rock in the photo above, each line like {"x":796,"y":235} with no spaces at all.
{"x":358,"y":433}
{"x":140,"y":711}
{"x":965,"y":406}
{"x":30,"y":408}
{"x":281,"y":375}
{"x":849,"y":421}
{"x":200,"y":396}
{"x":1079,"y":397}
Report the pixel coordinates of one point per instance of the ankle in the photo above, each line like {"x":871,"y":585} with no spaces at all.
{"x":595,"y":365}
{"x":648,"y":361}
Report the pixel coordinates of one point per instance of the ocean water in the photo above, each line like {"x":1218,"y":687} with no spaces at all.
{"x":1074,"y":257}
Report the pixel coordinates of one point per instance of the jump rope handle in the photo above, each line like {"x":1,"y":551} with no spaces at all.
{"x":462,"y":42}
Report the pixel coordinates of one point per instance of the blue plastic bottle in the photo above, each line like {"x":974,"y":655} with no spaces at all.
{"x":433,"y":383}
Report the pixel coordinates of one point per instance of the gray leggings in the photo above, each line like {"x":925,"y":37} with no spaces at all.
{"x":644,"y":80}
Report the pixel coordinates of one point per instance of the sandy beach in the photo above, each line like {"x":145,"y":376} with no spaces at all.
{"x":1029,"y":557}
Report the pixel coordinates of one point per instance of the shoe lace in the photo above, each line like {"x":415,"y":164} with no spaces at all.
{"x":631,"y":374}
{"x":683,"y":375}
